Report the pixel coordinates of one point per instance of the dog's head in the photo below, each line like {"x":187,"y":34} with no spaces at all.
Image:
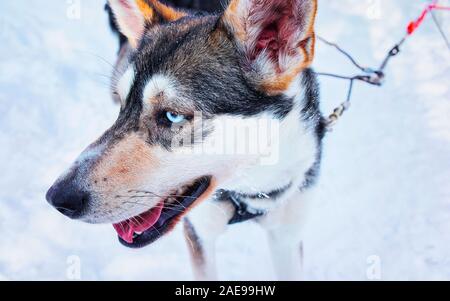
{"x":186,"y":73}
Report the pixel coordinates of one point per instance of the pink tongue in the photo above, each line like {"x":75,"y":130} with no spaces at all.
{"x":139,"y":223}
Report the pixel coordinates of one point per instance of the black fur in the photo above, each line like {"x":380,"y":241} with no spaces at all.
{"x":210,"y":6}
{"x":311,"y":114}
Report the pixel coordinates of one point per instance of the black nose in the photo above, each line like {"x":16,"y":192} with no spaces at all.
{"x":68,"y":200}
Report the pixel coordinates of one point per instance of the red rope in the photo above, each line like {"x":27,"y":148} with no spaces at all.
{"x":412,"y":26}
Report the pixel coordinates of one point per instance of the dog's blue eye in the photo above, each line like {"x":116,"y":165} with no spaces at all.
{"x":175,"y":118}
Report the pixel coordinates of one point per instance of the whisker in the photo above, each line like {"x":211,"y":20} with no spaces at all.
{"x":168,"y":206}
{"x":177,"y":204}
{"x":98,"y":57}
{"x":156,"y":196}
{"x":153,"y":227}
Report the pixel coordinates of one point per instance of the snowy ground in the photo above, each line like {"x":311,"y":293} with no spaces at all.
{"x":384,"y":197}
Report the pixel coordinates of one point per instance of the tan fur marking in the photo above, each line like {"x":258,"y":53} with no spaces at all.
{"x":126,"y":165}
{"x":233,"y":6}
{"x":279,"y":84}
{"x":146,"y":10}
{"x":231,"y":18}
{"x":149,"y":8}
{"x":167,"y":12}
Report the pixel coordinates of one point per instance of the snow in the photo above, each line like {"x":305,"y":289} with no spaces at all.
{"x":384,"y":194}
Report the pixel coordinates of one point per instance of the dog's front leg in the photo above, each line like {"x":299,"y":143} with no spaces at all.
{"x":284,"y":227}
{"x":287,"y":257}
{"x":202,"y":227}
{"x":202,"y":251}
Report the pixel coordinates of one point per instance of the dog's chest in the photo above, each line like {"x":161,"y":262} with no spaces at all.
{"x":259,"y":189}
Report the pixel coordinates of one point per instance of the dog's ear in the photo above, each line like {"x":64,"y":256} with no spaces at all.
{"x":275,"y":37}
{"x":133,"y":16}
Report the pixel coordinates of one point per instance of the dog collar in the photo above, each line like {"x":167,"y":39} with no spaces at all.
{"x":242,"y":211}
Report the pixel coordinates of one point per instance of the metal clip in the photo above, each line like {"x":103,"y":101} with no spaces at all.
{"x":337,"y":113}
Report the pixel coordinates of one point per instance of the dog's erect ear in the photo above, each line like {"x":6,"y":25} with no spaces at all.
{"x":276,"y":38}
{"x":133,"y":16}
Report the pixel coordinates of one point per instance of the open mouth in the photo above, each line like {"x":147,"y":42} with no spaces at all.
{"x":142,"y":230}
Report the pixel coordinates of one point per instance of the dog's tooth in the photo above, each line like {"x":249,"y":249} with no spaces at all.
{"x":138,"y":233}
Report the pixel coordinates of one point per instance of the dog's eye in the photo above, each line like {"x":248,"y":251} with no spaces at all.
{"x":175,"y":117}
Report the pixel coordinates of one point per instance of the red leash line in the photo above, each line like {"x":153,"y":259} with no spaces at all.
{"x":413,"y":25}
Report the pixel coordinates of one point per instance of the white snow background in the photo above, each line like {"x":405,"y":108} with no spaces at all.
{"x":385,"y":184}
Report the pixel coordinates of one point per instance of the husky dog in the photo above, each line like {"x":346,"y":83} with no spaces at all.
{"x":183,"y":79}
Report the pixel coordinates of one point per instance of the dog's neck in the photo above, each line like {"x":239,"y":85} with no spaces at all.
{"x":297,"y":147}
